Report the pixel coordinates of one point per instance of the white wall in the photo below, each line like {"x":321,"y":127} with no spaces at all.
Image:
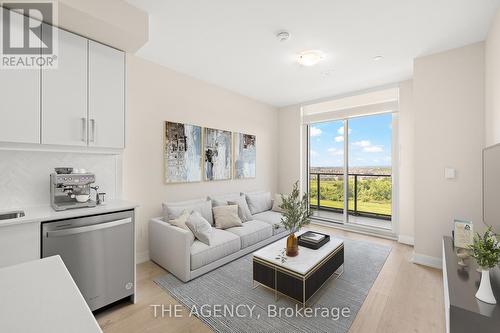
{"x":156,"y":94}
{"x":406,"y":163}
{"x":448,"y":94}
{"x":289,"y":153}
{"x":24,"y":177}
{"x":492,"y":83}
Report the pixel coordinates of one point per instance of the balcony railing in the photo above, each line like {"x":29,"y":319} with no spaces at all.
{"x":369,"y":194}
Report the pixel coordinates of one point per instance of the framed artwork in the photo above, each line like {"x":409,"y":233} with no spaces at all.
{"x":182,"y":153}
{"x":463,"y":233}
{"x":217,"y":151}
{"x":245,"y":155}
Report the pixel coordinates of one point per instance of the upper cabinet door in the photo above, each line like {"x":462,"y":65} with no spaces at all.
{"x":64,"y":91}
{"x":19,"y":97}
{"x":106,"y":96}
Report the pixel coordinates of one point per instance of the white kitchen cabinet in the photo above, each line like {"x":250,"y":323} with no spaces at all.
{"x":19,"y":99}
{"x":64,"y":93}
{"x":19,"y":243}
{"x":106,"y":96}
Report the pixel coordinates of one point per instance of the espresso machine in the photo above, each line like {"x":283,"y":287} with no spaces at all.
{"x":70,"y":190}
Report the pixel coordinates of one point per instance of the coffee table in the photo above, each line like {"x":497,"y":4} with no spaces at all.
{"x":297,"y":277}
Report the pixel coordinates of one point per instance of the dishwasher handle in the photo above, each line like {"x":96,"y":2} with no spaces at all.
{"x":79,"y":230}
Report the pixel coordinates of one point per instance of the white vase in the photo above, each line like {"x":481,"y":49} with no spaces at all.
{"x":485,"y":293}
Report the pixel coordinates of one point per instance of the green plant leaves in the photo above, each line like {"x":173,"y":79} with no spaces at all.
{"x":295,"y":209}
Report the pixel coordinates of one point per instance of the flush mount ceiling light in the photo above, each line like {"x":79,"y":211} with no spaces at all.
{"x":378,"y":58}
{"x":310,"y":57}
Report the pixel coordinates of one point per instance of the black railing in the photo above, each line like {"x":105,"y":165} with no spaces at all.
{"x":355,"y":210}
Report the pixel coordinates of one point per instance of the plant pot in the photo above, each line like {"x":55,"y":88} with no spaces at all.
{"x":292,"y":245}
{"x":485,"y":293}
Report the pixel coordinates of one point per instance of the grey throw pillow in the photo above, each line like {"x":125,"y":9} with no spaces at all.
{"x":226,"y":217}
{"x":200,"y":227}
{"x":243,"y":210}
{"x":218,"y":203}
{"x":173,"y":210}
{"x":259,"y":202}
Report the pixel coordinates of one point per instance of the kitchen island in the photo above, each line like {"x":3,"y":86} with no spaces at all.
{"x":41,"y":297}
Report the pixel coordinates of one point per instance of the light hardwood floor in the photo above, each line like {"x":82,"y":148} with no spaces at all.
{"x":404,"y":298}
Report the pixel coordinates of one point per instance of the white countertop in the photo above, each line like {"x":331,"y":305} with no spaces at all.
{"x":40,"y":296}
{"x":47,"y":213}
{"x":304,"y":261}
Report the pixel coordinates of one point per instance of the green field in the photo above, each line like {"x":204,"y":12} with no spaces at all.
{"x":374,"y":194}
{"x":368,"y":207}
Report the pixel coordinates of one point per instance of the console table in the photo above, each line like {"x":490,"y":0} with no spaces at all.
{"x":464,"y":312}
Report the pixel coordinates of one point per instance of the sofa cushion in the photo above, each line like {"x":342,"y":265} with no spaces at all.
{"x":180,"y":222}
{"x":200,"y":227}
{"x":252,"y":232}
{"x":243,"y":210}
{"x":259,"y":202}
{"x":272,"y":218}
{"x":222,"y":199}
{"x":226,"y":217}
{"x":222,"y":244}
{"x":172,"y":210}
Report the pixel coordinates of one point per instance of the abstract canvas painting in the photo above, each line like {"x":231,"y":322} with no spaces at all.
{"x":182,"y":151}
{"x":244,"y":156}
{"x":217,"y":149}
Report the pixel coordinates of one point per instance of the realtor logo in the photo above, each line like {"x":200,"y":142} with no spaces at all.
{"x":26,"y":41}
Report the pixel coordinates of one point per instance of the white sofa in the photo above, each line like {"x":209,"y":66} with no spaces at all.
{"x":175,"y":249}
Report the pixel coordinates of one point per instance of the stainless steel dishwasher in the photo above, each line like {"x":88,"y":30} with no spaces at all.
{"x":98,"y":251}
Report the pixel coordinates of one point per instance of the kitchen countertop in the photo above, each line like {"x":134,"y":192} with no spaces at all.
{"x":40,"y":296}
{"x":47,"y":213}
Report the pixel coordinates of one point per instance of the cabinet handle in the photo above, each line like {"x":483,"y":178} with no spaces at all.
{"x":84,"y":129}
{"x":93,"y":124}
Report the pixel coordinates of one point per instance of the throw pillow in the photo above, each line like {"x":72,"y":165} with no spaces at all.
{"x":180,"y":222}
{"x":277,"y":203}
{"x":259,"y":202}
{"x":243,"y":210}
{"x":218,"y":203}
{"x":173,"y":210}
{"x":200,"y":227}
{"x":227,"y":217}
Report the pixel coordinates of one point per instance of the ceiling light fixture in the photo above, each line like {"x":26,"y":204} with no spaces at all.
{"x":310,"y":58}
{"x":378,"y":58}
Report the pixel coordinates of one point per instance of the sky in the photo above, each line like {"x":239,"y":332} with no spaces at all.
{"x":369,"y":142}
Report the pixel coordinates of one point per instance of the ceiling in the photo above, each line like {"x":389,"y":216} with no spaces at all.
{"x":233,"y":44}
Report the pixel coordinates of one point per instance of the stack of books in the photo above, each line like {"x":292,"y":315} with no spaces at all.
{"x":313,"y":240}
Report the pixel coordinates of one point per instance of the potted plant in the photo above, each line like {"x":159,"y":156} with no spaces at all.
{"x":486,"y":251}
{"x":295,"y":210}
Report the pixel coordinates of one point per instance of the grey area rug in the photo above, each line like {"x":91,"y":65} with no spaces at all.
{"x":212,"y":296}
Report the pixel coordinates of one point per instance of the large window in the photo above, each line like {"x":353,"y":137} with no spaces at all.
{"x":358,"y":149}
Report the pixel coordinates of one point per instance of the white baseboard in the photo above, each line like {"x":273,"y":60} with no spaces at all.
{"x":425,"y":260}
{"x":142,"y":257}
{"x":408,"y":240}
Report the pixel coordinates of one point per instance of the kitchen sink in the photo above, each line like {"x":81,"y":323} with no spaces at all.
{"x":11,"y":215}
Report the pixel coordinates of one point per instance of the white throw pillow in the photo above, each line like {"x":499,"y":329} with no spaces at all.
{"x":277,"y":203}
{"x":200,"y":227}
{"x":243,"y":210}
{"x":173,"y":210}
{"x":180,"y":222}
{"x":227,"y":217}
{"x":259,"y":202}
